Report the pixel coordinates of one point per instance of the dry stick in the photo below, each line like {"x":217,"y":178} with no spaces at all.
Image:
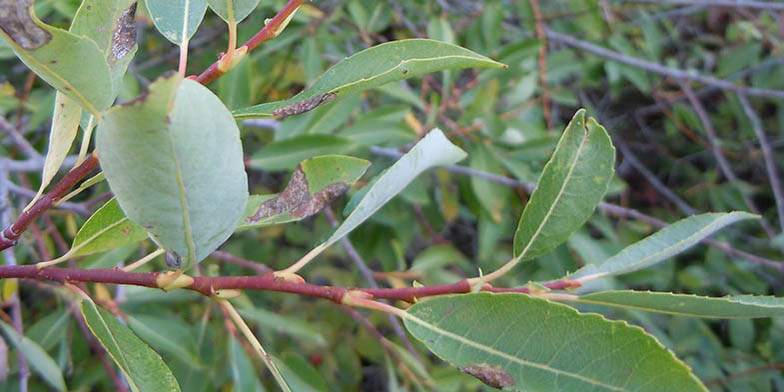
{"x":12,"y":233}
{"x":724,"y":166}
{"x":767,"y":155}
{"x":675,"y":73}
{"x":270,"y":31}
{"x":542,"y":37}
{"x":606,"y":207}
{"x":367,"y":274}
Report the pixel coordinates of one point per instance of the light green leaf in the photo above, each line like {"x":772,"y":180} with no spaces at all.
{"x":70,"y":63}
{"x":730,"y":307}
{"x":106,"y":229}
{"x":177,"y":20}
{"x":662,"y":245}
{"x":529,"y":344}
{"x":315,"y":183}
{"x":433,"y":150}
{"x":233,"y":11}
{"x":285,"y":154}
{"x":143,"y":368}
{"x":37,"y":358}
{"x":241,"y":369}
{"x":572,"y":183}
{"x":168,"y":335}
{"x":173,"y":159}
{"x":371,"y":68}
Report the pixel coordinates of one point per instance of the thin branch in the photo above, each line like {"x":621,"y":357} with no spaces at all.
{"x":542,"y":37}
{"x":19,"y":141}
{"x":270,"y":31}
{"x":762,"y":5}
{"x":68,"y":206}
{"x":767,"y":155}
{"x":724,"y":166}
{"x":236,"y":260}
{"x":674,"y":73}
{"x":12,"y":233}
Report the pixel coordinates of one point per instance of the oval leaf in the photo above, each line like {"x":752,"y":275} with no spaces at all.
{"x":177,"y":20}
{"x":662,"y":245}
{"x":573,"y":182}
{"x":233,"y":11}
{"x":143,"y":368}
{"x":36,"y":356}
{"x":173,"y":159}
{"x":517,"y":342}
{"x":70,"y":63}
{"x":732,"y":306}
{"x":371,"y":68}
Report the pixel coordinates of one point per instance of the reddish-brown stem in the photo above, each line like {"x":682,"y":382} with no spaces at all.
{"x":542,"y":37}
{"x":12,"y":233}
{"x":271,"y":30}
{"x":267,"y":282}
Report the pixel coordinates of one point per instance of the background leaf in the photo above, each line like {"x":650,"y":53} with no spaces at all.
{"x":143,"y":368}
{"x":37,"y":357}
{"x":373,"y":67}
{"x":174,"y":161}
{"x":285,"y":154}
{"x":529,"y":344}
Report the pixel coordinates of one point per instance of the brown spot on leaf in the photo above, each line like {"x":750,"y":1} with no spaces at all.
{"x":492,"y":375}
{"x":297,"y":200}
{"x":124,"y":35}
{"x":303,"y":106}
{"x":15,"y":20}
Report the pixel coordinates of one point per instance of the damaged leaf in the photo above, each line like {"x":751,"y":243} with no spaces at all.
{"x":315,"y":183}
{"x":71,"y":63}
{"x":492,"y":375}
{"x":370,"y":68}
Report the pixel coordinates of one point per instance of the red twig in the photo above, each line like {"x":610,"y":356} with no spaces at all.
{"x":267,"y":282}
{"x":271,"y":30}
{"x":542,"y":37}
{"x":12,"y":233}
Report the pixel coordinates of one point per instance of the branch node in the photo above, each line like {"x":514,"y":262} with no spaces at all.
{"x":173,"y":280}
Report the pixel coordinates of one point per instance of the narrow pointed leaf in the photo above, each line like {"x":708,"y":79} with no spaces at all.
{"x":142,"y":366}
{"x":177,"y":20}
{"x":314,"y":184}
{"x":173,"y":159}
{"x":433,"y":150}
{"x":662,"y":245}
{"x":521,"y":343}
{"x":233,"y":11}
{"x":371,"y":68}
{"x":72,"y":64}
{"x":573,"y":182}
{"x":730,"y":307}
{"x":106,"y":229}
{"x":38,"y":359}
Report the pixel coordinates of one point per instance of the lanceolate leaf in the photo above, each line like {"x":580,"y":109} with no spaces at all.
{"x":573,"y":182}
{"x":314,"y":184}
{"x":106,"y":229}
{"x":70,"y":63}
{"x":173,"y":159}
{"x":285,"y":154}
{"x":233,"y":11}
{"x":733,"y":306}
{"x":37,"y":358}
{"x":662,"y":245}
{"x":371,"y":68}
{"x":143,"y":368}
{"x":521,"y":343}
{"x":177,"y":20}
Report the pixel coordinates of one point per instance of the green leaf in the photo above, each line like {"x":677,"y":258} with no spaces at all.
{"x":662,"y":245}
{"x":70,"y":63}
{"x":433,"y":150}
{"x":168,"y":335}
{"x":731,"y":307}
{"x":523,"y":343}
{"x":106,"y":229}
{"x":573,"y":182}
{"x":37,"y":358}
{"x":288,"y":325}
{"x":285,"y":154}
{"x":173,"y":159}
{"x":371,"y":68}
{"x":177,"y":20}
{"x":492,"y":196}
{"x":233,"y":11}
{"x":241,"y":369}
{"x":143,"y":368}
